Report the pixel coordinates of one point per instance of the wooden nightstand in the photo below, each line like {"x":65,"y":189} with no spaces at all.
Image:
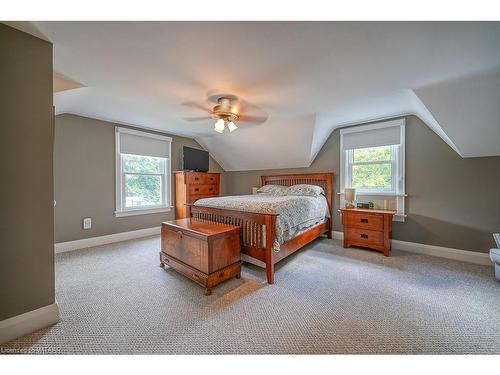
{"x":368,"y":228}
{"x":206,"y":252}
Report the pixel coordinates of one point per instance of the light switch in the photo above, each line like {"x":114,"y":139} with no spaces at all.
{"x":87,"y":223}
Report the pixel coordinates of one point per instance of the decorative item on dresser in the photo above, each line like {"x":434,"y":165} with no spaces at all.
{"x":350,"y":197}
{"x":259,"y":229}
{"x":190,"y":186}
{"x":368,"y":228}
{"x":206,"y":252}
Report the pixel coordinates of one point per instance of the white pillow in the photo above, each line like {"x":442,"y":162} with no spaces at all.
{"x":305,"y":189}
{"x":274,"y":190}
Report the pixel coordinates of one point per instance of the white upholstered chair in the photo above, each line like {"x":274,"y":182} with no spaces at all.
{"x":495,"y":256}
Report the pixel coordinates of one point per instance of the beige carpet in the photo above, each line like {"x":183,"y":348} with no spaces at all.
{"x":115,"y":299}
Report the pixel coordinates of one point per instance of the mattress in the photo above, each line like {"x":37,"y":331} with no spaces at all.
{"x":295,"y":213}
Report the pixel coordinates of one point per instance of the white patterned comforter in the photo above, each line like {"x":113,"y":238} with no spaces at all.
{"x":296,"y":213}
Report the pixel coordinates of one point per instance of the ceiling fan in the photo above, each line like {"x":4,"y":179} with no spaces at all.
{"x":227,"y":111}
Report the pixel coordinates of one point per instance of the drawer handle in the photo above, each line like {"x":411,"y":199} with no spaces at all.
{"x":211,"y":189}
{"x":364,"y":220}
{"x":196,"y":178}
{"x":196,"y":189}
{"x":211,"y":178}
{"x":364,"y":235}
{"x":180,"y":234}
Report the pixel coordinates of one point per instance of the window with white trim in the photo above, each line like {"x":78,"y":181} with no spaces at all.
{"x":373,"y":169}
{"x":142,"y":172}
{"x":373,"y":161}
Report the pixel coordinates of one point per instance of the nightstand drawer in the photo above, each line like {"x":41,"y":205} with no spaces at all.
{"x":367,"y":221}
{"x":365,"y":237}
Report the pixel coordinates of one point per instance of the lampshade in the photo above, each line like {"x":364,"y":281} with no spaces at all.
{"x":231,"y":126}
{"x":219,"y":126}
{"x":349,"y":194}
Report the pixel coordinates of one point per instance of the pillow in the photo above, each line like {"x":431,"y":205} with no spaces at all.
{"x":274,"y":190}
{"x":304,"y":189}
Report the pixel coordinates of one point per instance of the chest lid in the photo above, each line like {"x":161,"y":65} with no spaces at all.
{"x":202,"y":229}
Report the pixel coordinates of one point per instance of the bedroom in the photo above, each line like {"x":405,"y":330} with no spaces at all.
{"x":346,"y":185}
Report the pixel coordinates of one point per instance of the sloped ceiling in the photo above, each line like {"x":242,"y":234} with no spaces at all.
{"x":468,"y":110}
{"x":310,"y":78}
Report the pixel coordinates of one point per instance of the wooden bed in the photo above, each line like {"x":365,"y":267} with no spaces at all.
{"x":255,"y":224}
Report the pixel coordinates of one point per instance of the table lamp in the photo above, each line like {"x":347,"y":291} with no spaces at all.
{"x":349,"y":196}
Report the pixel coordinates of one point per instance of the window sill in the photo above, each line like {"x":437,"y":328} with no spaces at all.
{"x":142,"y":211}
{"x":380,"y":194}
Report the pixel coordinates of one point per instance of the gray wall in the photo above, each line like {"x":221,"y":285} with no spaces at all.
{"x":26,"y":151}
{"x":453,"y":202}
{"x":85,"y":179}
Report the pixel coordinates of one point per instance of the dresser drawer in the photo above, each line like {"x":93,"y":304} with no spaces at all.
{"x":366,"y":221}
{"x":365,"y":237}
{"x":189,"y":250}
{"x":202,"y":178}
{"x":203,"y":190}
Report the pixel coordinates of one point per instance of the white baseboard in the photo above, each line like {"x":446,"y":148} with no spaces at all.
{"x":437,"y":251}
{"x":31,"y":321}
{"x":62,"y":247}
{"x":338,"y":235}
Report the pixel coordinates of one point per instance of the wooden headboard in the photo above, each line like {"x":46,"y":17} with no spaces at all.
{"x":324,"y":180}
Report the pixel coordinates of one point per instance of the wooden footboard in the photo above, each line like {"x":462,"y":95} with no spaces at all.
{"x":259,"y":230}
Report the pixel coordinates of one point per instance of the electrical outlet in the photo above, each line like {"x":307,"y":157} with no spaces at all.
{"x":87,"y":223}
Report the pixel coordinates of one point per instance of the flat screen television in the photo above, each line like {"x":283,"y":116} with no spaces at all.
{"x":194,"y":160}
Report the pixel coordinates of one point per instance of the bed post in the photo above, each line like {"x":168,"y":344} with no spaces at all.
{"x":270,"y":221}
{"x":329,"y":234}
{"x":330,"y":197}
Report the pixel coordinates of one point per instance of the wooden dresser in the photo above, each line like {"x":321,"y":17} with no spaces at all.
{"x":204,"y":251}
{"x":368,"y":228}
{"x":191,"y":186}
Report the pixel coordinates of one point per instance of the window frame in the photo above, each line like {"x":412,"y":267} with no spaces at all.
{"x":166,"y":176}
{"x":398,"y":193}
{"x":162,"y":176}
{"x":394,"y":161}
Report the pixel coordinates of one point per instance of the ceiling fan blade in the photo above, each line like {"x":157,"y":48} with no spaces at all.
{"x":254,"y":119}
{"x":245,"y":106}
{"x":200,"y":118}
{"x":198,"y":106}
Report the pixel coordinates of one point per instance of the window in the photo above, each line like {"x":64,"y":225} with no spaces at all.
{"x":142,"y":172}
{"x":372,"y":169}
{"x":372,"y":161}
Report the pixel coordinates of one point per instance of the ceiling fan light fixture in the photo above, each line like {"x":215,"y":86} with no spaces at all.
{"x":232,"y":126}
{"x":219,"y":126}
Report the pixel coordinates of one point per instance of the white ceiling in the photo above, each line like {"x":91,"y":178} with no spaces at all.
{"x":468,"y":110}
{"x":310,"y":77}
